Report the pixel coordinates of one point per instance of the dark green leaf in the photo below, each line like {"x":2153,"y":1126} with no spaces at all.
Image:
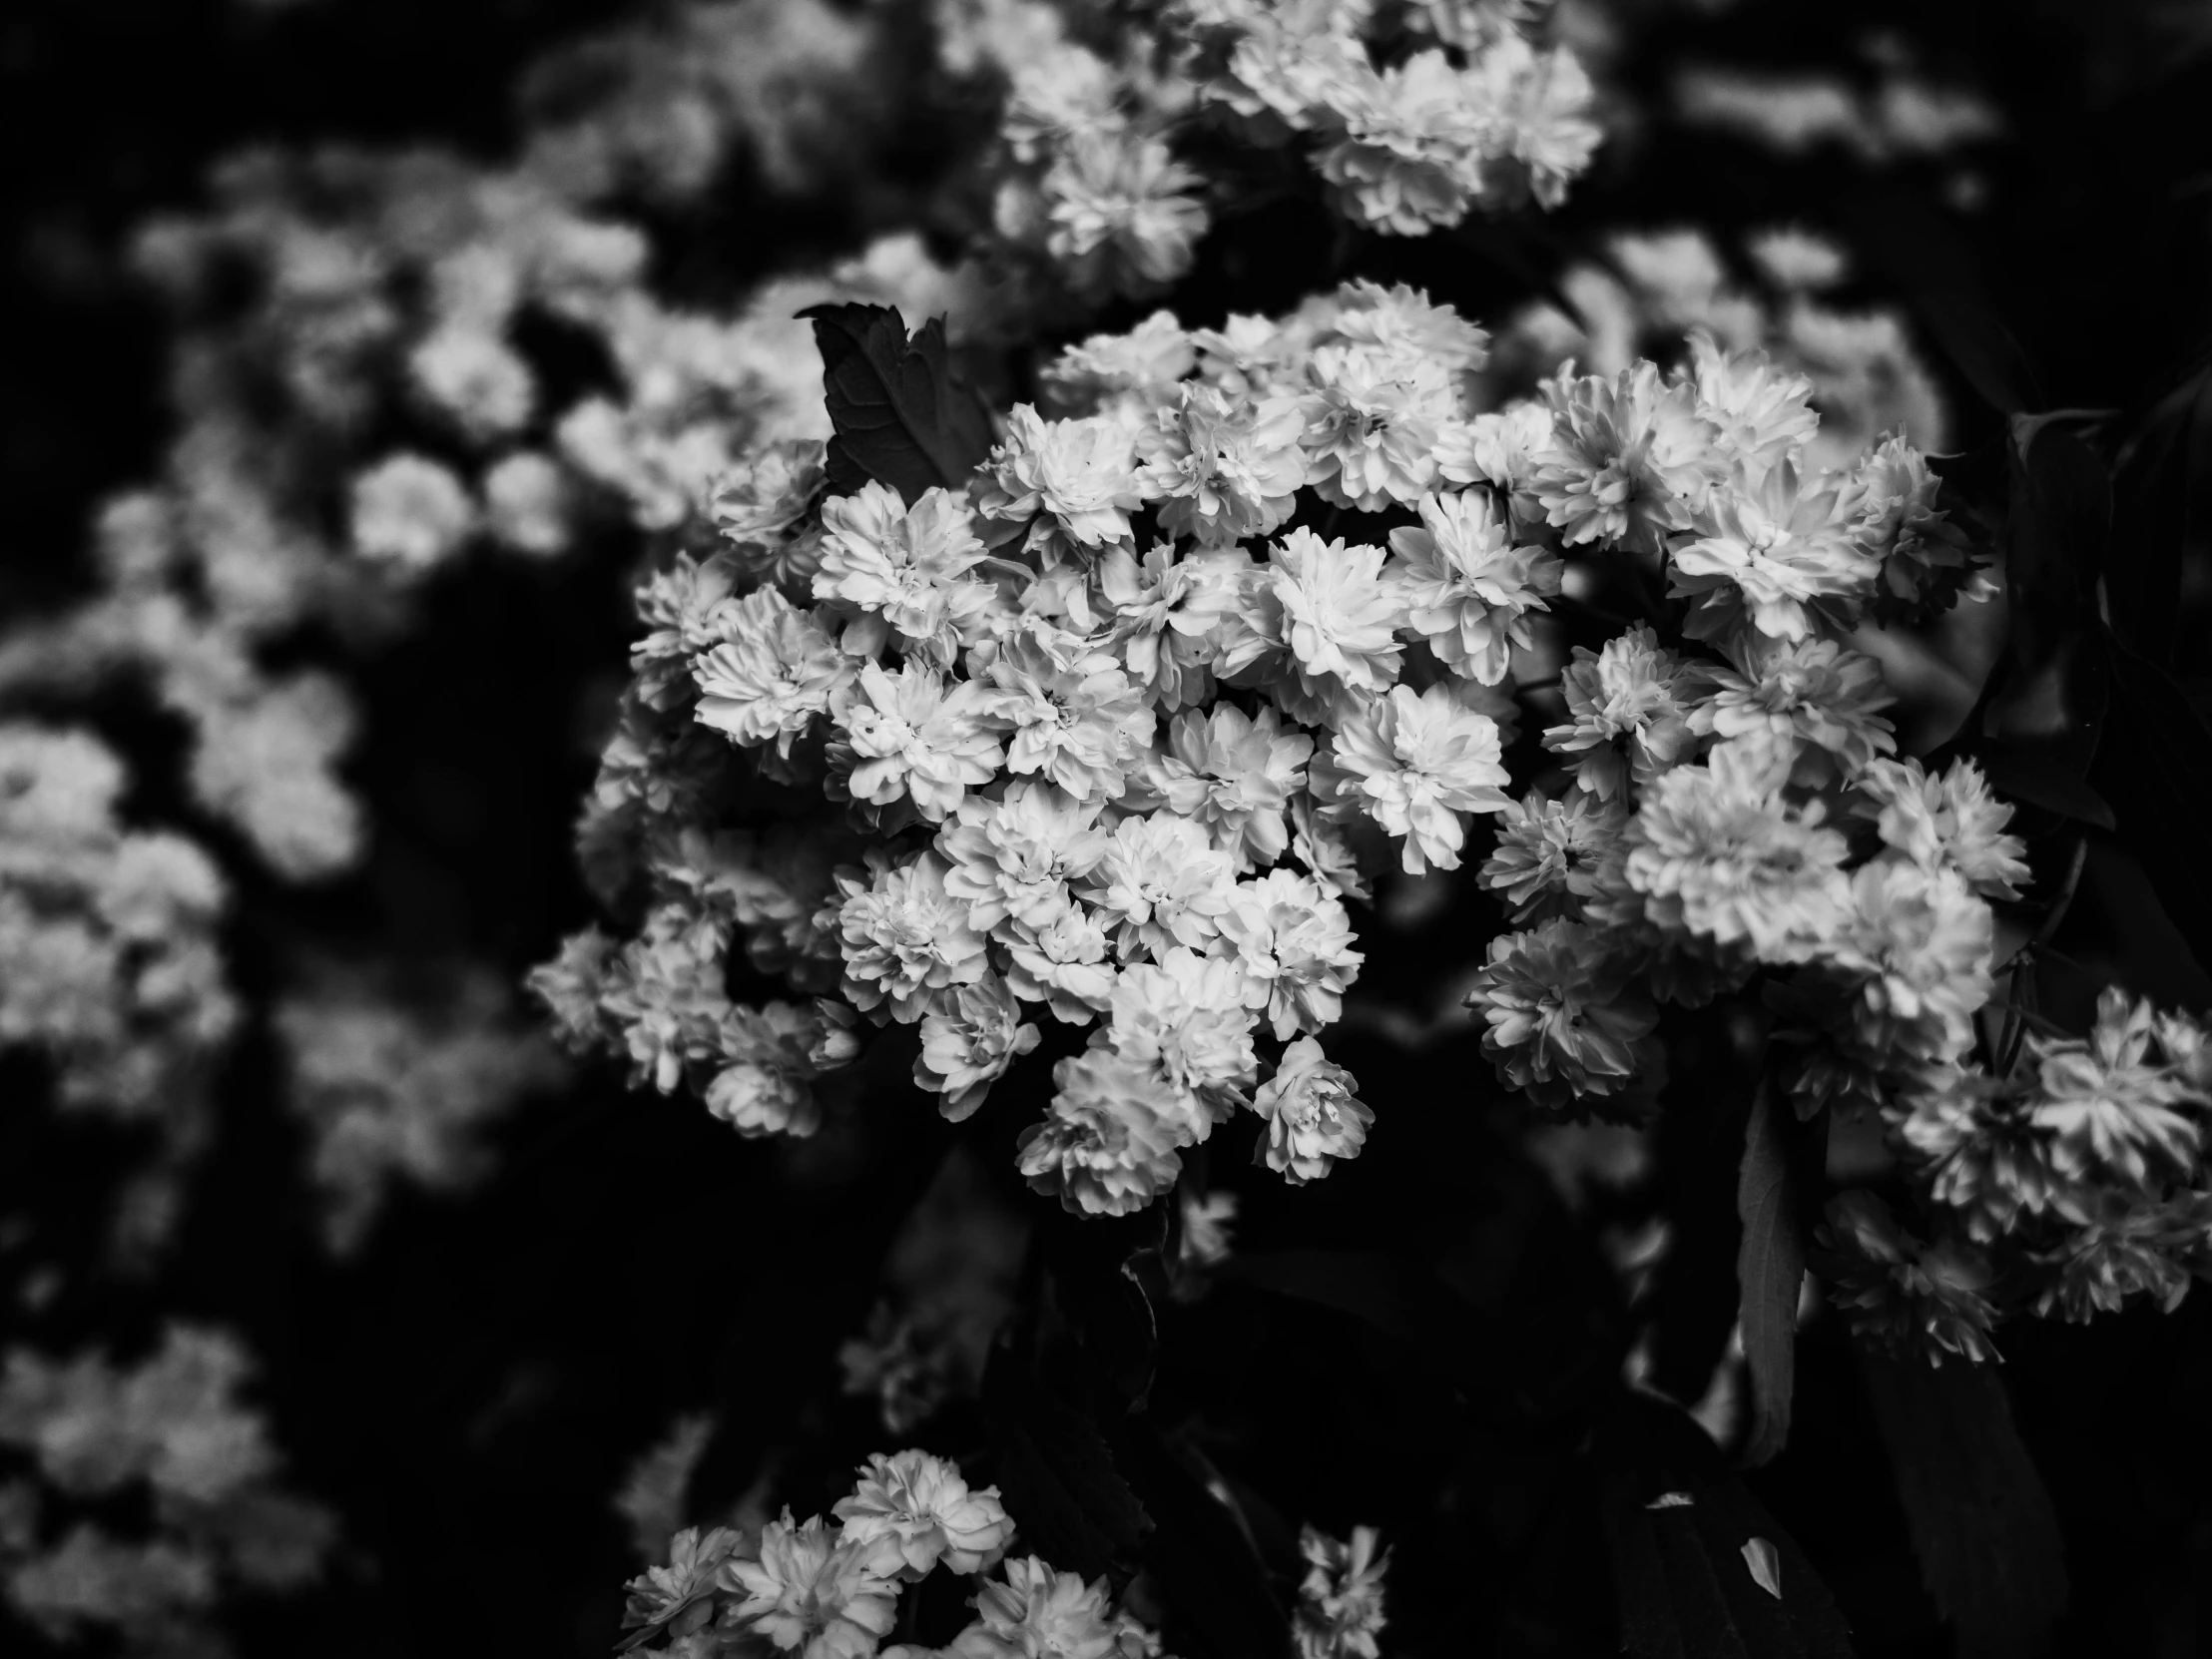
{"x":2155,"y":766}
{"x":1770,"y":1268}
{"x":1981,"y":1523}
{"x":1199,"y":1550}
{"x":899,"y":414}
{"x":2028,"y":776}
{"x":1983,"y":351}
{"x":1369,"y":1288}
{"x":1058,"y":1479}
{"x":1677,"y":1526}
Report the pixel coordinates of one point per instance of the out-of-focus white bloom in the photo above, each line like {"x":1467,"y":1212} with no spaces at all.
{"x":1313,"y":1117}
{"x":527,"y":505}
{"x":1718,"y":852}
{"x":411,"y":512}
{"x":2108,"y":1103}
{"x":1120,"y":215}
{"x":1417,"y":764}
{"x":1919,"y":944}
{"x":918,"y":1512}
{"x":1340,"y":1601}
{"x":474,"y":378}
{"x":1126,"y":375}
{"x":813,"y":1592}
{"x":1949,"y":821}
{"x":1414,"y":136}
{"x":1467,"y":586}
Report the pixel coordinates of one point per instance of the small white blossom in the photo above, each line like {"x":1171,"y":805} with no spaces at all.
{"x":916,"y":1512}
{"x":1313,"y":1117}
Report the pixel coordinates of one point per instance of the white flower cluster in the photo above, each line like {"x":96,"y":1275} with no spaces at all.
{"x":1468,"y":113}
{"x":388,"y":1092}
{"x":1117,"y":729}
{"x":170,"y":1433}
{"x":828,"y":1588}
{"x":2070,"y":1185}
{"x":1412,"y":117}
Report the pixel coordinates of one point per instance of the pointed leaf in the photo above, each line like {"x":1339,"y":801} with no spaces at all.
{"x":1713,"y":1577}
{"x":899,"y":414}
{"x":1058,"y":1479}
{"x":1770,"y":1268}
{"x":2033,"y":778}
{"x":1983,"y":1525}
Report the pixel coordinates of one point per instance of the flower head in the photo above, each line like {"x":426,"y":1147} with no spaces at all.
{"x":1313,"y":1117}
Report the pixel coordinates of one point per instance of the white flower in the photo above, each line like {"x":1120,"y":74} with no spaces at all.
{"x":1316,"y":626}
{"x":1947,"y":822}
{"x":1631,"y":457}
{"x":1078,"y":721}
{"x":1717,"y":852}
{"x":2108,"y":1105}
{"x":1418,"y":764}
{"x":773,"y":674}
{"x":1628,"y":715}
{"x":1764,"y":412}
{"x":902,"y":569}
{"x":1540,"y":105}
{"x":411,"y":512}
{"x":1766,"y":552}
{"x":1163,"y":614}
{"x":1550,"y":854}
{"x":1016,"y":855}
{"x":812,"y":1593}
{"x":1411,"y":154}
{"x":1564,"y":1020}
{"x":1040,"y":1612}
{"x":1123,"y":374}
{"x":1373,"y":416}
{"x":1185,"y":1023}
{"x":1918,"y":945}
{"x":1467,"y":588}
{"x":1108,"y":1144}
{"x":1313,"y":1117}
{"x":1070,"y":481}
{"x":905,"y":936}
{"x":527,"y":504}
{"x":1293,"y":942}
{"x":1812,"y":698}
{"x":1234,"y":774}
{"x":1061,"y":959}
{"x":1120,"y":213}
{"x":969,"y":1037}
{"x":1339,"y":1603}
{"x":916,"y":1511}
{"x":915,"y":734}
{"x":1160,"y":882}
{"x":1223,"y":468}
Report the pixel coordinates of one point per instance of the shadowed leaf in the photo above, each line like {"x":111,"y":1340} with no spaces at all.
{"x":899,"y":414}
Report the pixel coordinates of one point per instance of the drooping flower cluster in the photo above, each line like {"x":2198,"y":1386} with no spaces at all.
{"x":828,"y":1588}
{"x":1340,"y":1601}
{"x":169,"y":1440}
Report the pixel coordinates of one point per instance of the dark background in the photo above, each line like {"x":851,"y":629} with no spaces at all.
{"x":468,"y":1393}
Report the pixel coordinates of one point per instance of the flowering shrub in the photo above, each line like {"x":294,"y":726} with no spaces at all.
{"x":1391,"y":824}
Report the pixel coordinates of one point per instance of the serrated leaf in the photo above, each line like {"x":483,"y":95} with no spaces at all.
{"x":1981,"y":1523}
{"x":1682,"y":1572}
{"x":1059,"y":1481}
{"x":899,"y":414}
{"x":1770,"y":1271}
